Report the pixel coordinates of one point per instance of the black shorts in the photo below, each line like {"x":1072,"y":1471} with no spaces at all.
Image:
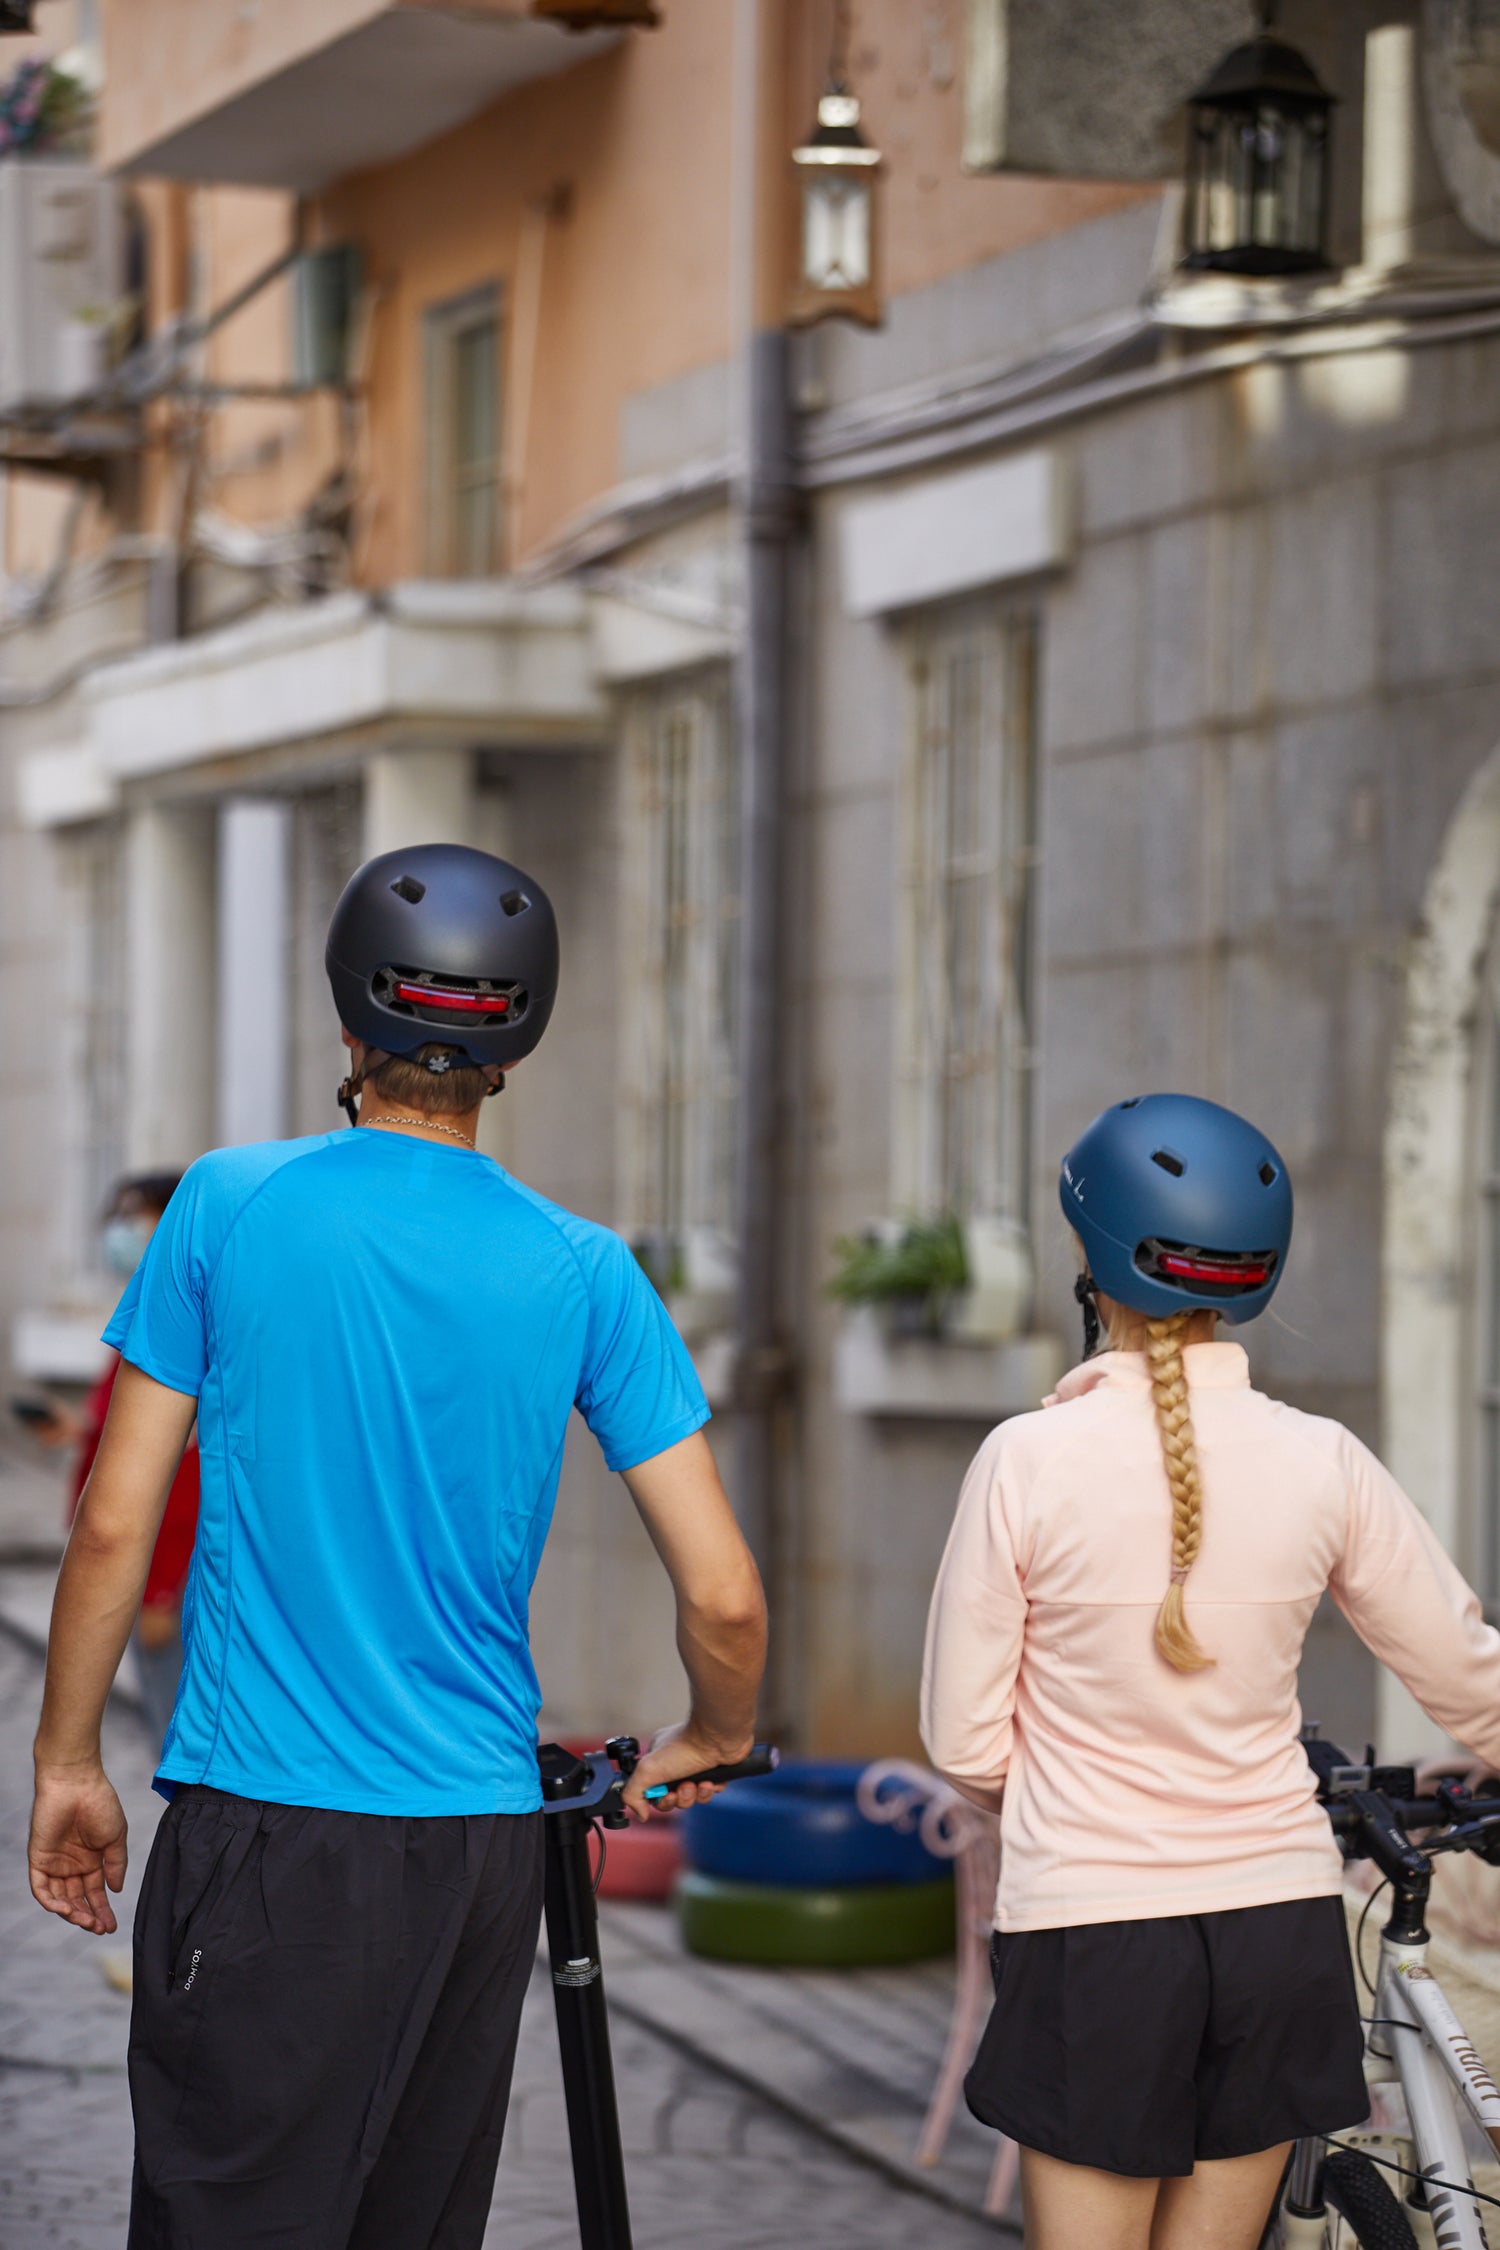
{"x":1140,"y":2047}
{"x":324,"y":2024}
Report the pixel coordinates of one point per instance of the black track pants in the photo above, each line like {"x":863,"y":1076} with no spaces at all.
{"x":324,"y":2025}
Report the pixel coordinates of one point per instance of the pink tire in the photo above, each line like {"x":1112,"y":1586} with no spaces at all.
{"x":641,"y":1863}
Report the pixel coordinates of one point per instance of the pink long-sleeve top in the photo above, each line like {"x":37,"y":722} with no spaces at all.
{"x":1130,"y":1789}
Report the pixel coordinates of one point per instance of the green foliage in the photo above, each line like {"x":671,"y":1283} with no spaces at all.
{"x":42,"y":109}
{"x":660,"y":1259}
{"x":926,"y":1261}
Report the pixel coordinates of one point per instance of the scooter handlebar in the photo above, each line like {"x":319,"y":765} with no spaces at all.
{"x":764,"y":1758}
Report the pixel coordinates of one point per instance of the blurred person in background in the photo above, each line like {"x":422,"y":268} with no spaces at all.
{"x":382,"y":1336}
{"x":130,"y":1220}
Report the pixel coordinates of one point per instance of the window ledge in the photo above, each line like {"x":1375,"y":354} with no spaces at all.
{"x":713,"y":1364}
{"x":941,"y":1377}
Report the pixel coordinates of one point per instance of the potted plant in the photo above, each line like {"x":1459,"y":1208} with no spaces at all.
{"x":912,"y":1273}
{"x":43,"y":110}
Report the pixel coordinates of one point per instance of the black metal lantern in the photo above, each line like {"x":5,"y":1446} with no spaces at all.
{"x":837,"y":261}
{"x":837,"y":269}
{"x":15,"y":15}
{"x":1257,"y":168}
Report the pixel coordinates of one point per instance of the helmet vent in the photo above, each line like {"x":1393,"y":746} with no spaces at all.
{"x":407,"y":887}
{"x":1168,"y":1162}
{"x":1268,"y":1174}
{"x":1133,"y":1103}
{"x":514,"y":902}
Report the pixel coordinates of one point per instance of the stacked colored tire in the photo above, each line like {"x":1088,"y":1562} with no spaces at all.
{"x":642,"y":1862}
{"x":786,"y":1870}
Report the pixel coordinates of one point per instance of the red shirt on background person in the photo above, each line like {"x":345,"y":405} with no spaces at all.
{"x":130,"y":1221}
{"x":173,"y":1552}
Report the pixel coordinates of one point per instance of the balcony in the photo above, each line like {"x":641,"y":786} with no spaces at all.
{"x":283,"y":96}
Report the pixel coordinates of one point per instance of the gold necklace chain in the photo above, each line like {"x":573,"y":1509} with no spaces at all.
{"x":427,"y":1124}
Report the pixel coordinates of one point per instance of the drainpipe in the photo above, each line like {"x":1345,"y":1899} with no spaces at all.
{"x":767,"y":524}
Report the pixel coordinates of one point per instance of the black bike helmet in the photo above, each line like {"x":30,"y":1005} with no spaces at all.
{"x":440,"y":943}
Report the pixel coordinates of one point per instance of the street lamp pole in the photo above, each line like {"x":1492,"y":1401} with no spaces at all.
{"x":768,"y":520}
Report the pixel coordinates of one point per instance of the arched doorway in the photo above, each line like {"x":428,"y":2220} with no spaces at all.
{"x":1435,"y":1199}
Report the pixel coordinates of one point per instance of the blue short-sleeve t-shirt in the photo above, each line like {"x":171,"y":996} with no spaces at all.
{"x":385,"y":1338}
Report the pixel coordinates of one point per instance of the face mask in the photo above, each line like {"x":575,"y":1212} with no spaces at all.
{"x":125,"y":1243}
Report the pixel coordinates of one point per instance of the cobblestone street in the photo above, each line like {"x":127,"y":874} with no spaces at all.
{"x":710,"y":2163}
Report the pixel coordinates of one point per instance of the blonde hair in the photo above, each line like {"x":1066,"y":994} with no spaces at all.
{"x":1174,"y":1421}
{"x":1162,"y":1341}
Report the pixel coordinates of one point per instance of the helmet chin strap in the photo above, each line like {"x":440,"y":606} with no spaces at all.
{"x":436,"y":1066}
{"x":1086,"y":1290}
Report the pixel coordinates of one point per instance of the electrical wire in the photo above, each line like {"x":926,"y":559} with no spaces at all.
{"x":838,"y":47}
{"x":603,"y":1855}
{"x":1359,"y":1935}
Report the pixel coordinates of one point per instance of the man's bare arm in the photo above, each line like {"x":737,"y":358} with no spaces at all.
{"x":78,"y":1844}
{"x":721,"y":1615}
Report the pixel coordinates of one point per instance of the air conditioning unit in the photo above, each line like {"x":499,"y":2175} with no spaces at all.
{"x":61,"y":280}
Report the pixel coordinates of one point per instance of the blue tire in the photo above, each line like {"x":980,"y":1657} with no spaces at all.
{"x":801,"y":1827}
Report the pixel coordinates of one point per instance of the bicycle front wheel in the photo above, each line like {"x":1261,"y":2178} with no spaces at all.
{"x":1362,"y":2197}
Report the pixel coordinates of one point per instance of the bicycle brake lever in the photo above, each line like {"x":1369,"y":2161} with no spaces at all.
{"x":1481,"y":1835}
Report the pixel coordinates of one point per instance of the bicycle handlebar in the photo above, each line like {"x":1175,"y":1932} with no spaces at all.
{"x":1370,"y":1813}
{"x":593,"y":1781}
{"x":764,"y":1758}
{"x":1345,"y":1819}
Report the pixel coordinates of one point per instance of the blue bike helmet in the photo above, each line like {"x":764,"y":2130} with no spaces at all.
{"x":1179,"y":1204}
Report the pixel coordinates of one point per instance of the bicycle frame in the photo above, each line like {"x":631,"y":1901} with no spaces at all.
{"x":1415,"y":2041}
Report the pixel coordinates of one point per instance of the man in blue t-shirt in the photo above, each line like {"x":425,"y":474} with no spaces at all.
{"x":380,"y":1336}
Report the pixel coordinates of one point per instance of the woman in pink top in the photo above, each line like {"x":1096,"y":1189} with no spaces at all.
{"x":1112,"y":1667}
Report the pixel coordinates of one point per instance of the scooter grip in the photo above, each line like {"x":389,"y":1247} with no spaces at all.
{"x":764,"y":1758}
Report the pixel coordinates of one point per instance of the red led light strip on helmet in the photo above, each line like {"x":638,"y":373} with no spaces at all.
{"x":1184,"y":1268}
{"x":468,"y":1003}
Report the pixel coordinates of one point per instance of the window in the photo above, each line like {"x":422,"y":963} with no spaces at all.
{"x":463,"y":436}
{"x":965,"y":1051}
{"x":678,"y":992}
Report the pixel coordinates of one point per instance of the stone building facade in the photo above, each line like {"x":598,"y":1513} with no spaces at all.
{"x":1142,"y":729}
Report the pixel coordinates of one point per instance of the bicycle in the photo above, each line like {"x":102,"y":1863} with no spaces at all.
{"x":582,"y":1791}
{"x":1406,"y":2184}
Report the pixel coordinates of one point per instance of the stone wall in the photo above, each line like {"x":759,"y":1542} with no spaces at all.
{"x":1266,"y":680}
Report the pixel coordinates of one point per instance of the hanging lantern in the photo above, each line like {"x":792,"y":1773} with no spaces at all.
{"x":836,"y":266}
{"x":1257,"y":168}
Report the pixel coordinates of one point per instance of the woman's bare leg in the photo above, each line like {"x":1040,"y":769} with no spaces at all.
{"x":1222,"y":2205}
{"x":1068,"y":2206}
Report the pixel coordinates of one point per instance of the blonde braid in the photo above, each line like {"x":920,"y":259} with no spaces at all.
{"x":1174,"y":1420}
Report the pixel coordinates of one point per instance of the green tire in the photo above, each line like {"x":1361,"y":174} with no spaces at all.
{"x":865,"y":1926}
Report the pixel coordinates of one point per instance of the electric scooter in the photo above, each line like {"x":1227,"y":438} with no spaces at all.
{"x":577,"y":1792}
